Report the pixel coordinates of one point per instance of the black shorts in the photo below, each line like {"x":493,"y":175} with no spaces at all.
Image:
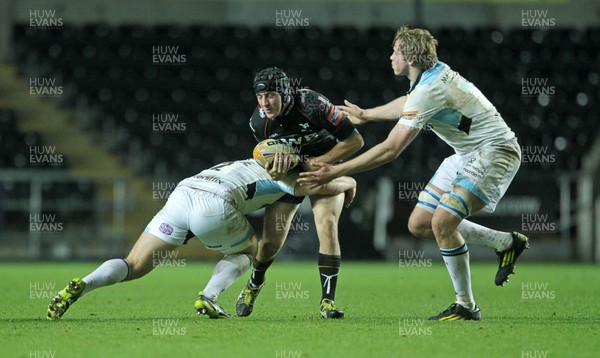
{"x":290,"y":199}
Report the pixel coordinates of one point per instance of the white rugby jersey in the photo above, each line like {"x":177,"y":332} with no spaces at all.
{"x":243,"y":183}
{"x":454,"y":109}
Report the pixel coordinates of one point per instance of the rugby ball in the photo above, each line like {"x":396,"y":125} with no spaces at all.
{"x":265,"y":151}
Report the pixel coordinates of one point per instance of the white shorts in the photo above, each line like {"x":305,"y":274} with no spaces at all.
{"x":485,"y":173}
{"x":213,"y":220}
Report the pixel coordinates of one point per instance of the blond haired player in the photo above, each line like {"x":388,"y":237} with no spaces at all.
{"x":472,"y":180}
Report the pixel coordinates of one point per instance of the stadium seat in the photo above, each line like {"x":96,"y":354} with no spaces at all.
{"x":112,"y":72}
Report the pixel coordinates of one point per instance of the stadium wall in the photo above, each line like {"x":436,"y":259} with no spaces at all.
{"x":432,"y":14}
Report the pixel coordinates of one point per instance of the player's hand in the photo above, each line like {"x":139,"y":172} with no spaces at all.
{"x":309,"y":164}
{"x":353,"y":112}
{"x":282,"y":163}
{"x":324,"y":173}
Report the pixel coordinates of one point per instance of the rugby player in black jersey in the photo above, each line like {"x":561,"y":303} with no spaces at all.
{"x":320,"y":133}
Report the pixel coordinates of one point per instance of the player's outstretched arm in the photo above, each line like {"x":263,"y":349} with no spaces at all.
{"x":391,"y":111}
{"x":337,"y":186}
{"x":398,"y":139}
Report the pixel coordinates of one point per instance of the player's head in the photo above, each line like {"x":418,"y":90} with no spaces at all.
{"x":413,"y":47}
{"x":272,"y":89}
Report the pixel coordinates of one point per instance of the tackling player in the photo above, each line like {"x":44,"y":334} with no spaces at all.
{"x":211,"y":204}
{"x":472,"y":180}
{"x":319,"y":131}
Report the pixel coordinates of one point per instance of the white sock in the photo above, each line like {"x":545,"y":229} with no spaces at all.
{"x":481,"y":235}
{"x":457,"y":263}
{"x":226,"y":272}
{"x":109,"y":273}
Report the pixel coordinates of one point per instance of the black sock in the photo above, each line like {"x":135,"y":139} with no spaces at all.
{"x":259,"y":269}
{"x":329,"y":266}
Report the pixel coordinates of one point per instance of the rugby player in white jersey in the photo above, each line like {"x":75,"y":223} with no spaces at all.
{"x":472,"y":180}
{"x":212,"y":205}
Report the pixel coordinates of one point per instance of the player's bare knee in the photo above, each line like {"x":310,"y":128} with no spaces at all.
{"x":418,"y":227}
{"x":269,"y":248}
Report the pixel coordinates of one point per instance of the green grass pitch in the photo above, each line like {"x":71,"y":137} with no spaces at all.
{"x":547,"y":310}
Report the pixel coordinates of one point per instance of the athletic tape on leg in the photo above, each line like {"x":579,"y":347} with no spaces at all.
{"x":428,"y":200}
{"x":455,"y":205}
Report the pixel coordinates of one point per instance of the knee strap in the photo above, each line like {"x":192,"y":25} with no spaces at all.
{"x":428,"y":200}
{"x":455,"y":205}
{"x":128,"y":270}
